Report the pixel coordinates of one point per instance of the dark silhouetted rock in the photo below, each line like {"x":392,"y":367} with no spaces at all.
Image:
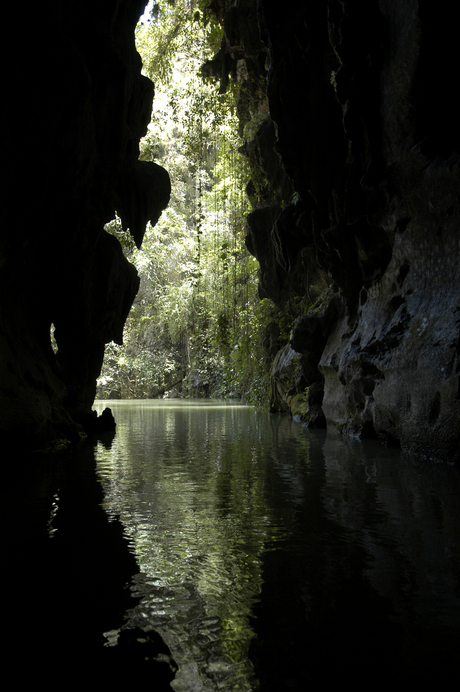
{"x":75,"y":107}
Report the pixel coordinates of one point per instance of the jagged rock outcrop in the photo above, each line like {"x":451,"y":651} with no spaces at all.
{"x":362,"y":119}
{"x":75,"y":106}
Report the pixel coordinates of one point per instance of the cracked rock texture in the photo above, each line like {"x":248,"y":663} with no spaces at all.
{"x":359,"y":207}
{"x":75,"y":110}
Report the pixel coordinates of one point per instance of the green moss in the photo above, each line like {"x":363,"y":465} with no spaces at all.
{"x":299,"y":405}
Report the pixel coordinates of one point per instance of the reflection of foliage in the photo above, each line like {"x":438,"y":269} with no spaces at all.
{"x":197,"y":523}
{"x":195,"y":326}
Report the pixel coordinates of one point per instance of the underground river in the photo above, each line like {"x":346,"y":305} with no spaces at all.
{"x":265,"y":555}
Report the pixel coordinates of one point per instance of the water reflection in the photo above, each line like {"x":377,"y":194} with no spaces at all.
{"x":188,"y":484}
{"x":266,"y":549}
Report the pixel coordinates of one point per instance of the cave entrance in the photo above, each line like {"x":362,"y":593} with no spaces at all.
{"x":196,"y":324}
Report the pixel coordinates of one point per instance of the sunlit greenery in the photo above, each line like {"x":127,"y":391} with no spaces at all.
{"x":197,"y":323}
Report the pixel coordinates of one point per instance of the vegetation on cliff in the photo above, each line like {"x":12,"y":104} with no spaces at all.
{"x":197,"y":324}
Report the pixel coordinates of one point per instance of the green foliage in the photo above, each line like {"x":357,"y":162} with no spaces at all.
{"x":299,"y":404}
{"x":124,"y":237}
{"x":172,"y":28}
{"x":197,"y":324}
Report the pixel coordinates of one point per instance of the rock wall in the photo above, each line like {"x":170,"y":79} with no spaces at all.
{"x":75,"y":106}
{"x":349,"y":117}
{"x":359,"y":205}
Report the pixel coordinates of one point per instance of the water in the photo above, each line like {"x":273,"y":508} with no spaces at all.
{"x":272,"y":556}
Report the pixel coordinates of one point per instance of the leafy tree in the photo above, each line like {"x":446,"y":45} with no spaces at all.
{"x":197,"y":324}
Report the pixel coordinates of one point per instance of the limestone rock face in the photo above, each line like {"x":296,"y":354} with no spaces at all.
{"x":361,"y":210}
{"x":76,"y":108}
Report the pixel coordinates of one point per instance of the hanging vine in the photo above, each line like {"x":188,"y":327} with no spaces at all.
{"x":196,"y":324}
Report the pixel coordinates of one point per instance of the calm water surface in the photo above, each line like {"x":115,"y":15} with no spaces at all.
{"x":270,"y":555}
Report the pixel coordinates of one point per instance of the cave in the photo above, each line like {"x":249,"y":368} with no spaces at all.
{"x":359,"y":212}
{"x":361,"y":140}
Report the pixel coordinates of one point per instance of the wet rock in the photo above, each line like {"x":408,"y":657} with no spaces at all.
{"x":293,"y":391}
{"x":286,"y":377}
{"x":105,"y":422}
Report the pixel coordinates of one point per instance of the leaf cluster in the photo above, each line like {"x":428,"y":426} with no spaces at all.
{"x":197,"y":323}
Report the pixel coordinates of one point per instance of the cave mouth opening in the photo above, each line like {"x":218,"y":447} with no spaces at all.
{"x":194,"y":324}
